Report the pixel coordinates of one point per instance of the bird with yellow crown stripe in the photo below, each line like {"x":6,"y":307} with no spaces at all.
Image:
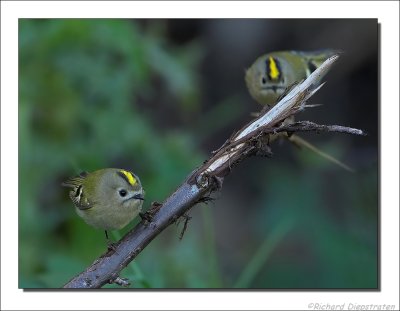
{"x":272,"y":74}
{"x":108,"y":199}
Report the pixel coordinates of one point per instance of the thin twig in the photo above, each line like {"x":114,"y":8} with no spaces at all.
{"x":307,"y":126}
{"x":185,"y":224}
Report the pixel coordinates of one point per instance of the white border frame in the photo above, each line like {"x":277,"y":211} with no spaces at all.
{"x":387,"y":14}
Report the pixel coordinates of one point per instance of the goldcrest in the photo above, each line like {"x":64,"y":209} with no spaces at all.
{"x":270,"y":75}
{"x":108,"y":199}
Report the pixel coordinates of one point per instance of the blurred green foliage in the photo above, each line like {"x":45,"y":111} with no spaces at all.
{"x":121,"y":93}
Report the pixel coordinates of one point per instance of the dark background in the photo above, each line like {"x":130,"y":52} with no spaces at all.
{"x":156,"y":97}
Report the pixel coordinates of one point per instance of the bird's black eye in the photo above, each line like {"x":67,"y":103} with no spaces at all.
{"x":263,"y":80}
{"x":122,"y":192}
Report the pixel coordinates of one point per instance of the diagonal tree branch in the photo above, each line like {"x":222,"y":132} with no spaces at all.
{"x":249,"y":141}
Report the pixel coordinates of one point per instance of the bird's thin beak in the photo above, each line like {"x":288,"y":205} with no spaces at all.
{"x":139,"y":196}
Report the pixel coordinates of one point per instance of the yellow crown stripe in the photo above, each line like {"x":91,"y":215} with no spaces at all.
{"x":129,"y":177}
{"x":273,"y":69}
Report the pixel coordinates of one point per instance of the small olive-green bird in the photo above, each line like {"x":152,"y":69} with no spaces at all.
{"x":270,"y":75}
{"x":107,"y":199}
